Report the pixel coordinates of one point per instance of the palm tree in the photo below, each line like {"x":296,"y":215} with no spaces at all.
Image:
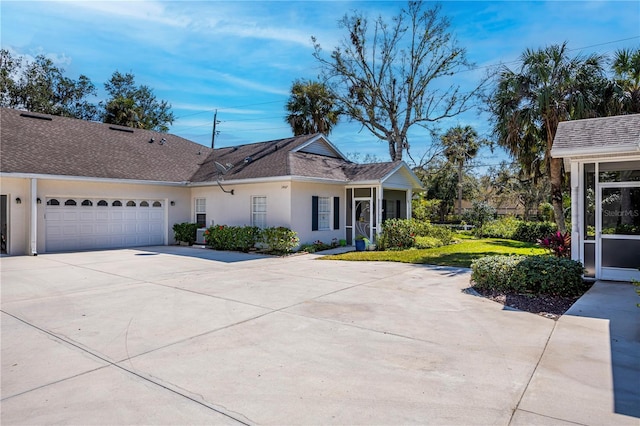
{"x":626,"y":66}
{"x":528,"y":104}
{"x":311,"y":108}
{"x":460,"y":145}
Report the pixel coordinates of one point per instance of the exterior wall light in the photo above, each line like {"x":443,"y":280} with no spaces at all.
{"x":39,"y":201}
{"x":173,"y":203}
{"x":18,"y":200}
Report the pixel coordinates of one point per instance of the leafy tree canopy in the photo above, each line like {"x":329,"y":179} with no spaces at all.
{"x":40,"y":86}
{"x":135,"y":106}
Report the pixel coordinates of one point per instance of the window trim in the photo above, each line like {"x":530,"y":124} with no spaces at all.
{"x":254,"y":213}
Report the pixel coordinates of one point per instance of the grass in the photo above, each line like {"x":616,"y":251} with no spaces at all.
{"x":460,"y":254}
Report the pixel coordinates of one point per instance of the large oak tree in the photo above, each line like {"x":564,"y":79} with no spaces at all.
{"x":392,"y":74}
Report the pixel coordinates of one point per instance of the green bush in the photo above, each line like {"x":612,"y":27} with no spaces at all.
{"x":529,"y":274}
{"x":400,"y":234}
{"x":531,"y":232}
{"x":428,"y":242}
{"x":397,"y":234}
{"x":280,"y":239}
{"x":185,"y":232}
{"x":504,"y":227}
{"x":240,"y":238}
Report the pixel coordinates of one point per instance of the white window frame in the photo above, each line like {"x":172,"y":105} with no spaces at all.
{"x":259,"y":211}
{"x":324,"y":213}
{"x":200,"y":207}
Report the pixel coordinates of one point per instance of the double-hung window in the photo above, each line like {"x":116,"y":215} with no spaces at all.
{"x":259,"y":211}
{"x":201,"y":212}
{"x":321,"y":213}
{"x":324,"y":213}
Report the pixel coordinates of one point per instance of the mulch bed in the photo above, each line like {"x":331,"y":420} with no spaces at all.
{"x":552,"y":307}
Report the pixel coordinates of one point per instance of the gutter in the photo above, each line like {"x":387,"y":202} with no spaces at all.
{"x":89,"y":179}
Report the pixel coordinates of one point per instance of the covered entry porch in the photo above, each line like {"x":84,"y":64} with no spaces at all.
{"x":369,"y":207}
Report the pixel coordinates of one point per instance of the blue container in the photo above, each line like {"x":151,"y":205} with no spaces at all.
{"x":360,"y":245}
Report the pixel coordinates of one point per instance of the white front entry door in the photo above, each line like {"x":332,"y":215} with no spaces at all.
{"x":97,"y":223}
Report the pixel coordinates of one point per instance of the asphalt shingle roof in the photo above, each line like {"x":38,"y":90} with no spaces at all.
{"x":615,"y":134}
{"x":52,"y":145}
{"x":55,"y":145}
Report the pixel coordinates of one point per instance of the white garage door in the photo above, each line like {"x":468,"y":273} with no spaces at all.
{"x":96,"y":223}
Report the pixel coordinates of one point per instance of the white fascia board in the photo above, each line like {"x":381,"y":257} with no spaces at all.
{"x":327,"y":141}
{"x":89,"y":179}
{"x":570,"y":153}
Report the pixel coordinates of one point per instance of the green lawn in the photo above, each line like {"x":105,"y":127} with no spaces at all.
{"x":459,"y":254}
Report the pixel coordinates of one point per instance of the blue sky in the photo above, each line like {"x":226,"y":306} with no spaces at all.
{"x":241,"y":57}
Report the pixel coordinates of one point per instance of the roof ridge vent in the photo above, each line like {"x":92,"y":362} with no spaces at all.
{"x":39,"y":117}
{"x":121,"y":129}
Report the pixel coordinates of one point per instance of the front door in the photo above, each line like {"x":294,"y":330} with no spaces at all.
{"x":618,"y":231}
{"x":363,"y":217}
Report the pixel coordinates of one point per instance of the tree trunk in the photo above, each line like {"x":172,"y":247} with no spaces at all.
{"x":556,"y":192}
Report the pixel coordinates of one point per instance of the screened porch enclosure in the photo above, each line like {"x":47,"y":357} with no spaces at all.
{"x":368,"y":207}
{"x":610,"y":230}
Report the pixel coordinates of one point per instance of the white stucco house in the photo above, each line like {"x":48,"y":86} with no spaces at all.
{"x":68,"y":184}
{"x":603,"y":155}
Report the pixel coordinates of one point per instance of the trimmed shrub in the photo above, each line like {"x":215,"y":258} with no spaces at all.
{"x":531,"y":232}
{"x":426,"y":229}
{"x":397,"y":234}
{"x":280,"y":239}
{"x":428,"y":242}
{"x":529,"y":274}
{"x":185,"y":232}
{"x":239,"y":238}
{"x":504,"y":227}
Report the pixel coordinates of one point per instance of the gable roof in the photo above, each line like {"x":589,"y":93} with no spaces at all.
{"x":597,"y":136}
{"x":58,"y":146}
{"x":53,"y":145}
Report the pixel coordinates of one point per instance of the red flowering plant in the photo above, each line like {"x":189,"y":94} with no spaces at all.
{"x":558,"y":244}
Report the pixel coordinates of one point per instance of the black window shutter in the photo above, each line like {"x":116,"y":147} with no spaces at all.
{"x":384,"y":210}
{"x":398,"y":215}
{"x":314,"y":213}
{"x":336,"y":212}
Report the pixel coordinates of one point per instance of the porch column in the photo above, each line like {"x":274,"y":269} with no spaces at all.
{"x":33,"y":229}
{"x":576,"y":214}
{"x":409,"y":196}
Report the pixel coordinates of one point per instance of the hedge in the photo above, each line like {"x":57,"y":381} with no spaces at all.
{"x":529,"y":274}
{"x":244,"y":238}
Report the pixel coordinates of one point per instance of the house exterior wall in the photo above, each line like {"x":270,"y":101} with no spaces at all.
{"x":20,"y":214}
{"x":302,"y":193}
{"x":235,"y":210}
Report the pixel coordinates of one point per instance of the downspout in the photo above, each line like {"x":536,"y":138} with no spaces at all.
{"x":33,"y":229}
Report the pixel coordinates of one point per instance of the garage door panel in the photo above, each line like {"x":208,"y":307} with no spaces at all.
{"x":69,"y":216}
{"x":94,"y":227}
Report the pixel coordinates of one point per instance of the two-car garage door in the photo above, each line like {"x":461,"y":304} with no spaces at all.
{"x":97,"y":223}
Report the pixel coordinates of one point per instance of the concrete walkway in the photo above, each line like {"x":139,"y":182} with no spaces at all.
{"x":176,"y":335}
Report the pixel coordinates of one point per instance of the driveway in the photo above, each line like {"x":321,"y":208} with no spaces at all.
{"x":177,"y":335}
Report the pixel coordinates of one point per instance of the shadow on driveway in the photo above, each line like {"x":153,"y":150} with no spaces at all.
{"x":616,"y":303}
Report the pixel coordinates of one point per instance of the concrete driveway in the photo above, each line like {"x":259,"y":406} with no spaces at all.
{"x":176,"y":335}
